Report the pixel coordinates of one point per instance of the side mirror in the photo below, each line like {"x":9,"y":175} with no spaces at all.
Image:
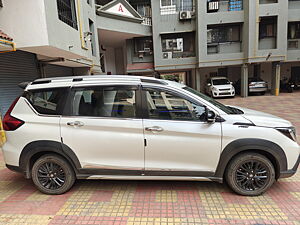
{"x":210,"y":116}
{"x":209,"y":84}
{"x":231,"y":83}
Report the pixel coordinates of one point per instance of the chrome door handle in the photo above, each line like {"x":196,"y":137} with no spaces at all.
{"x":75,"y":124}
{"x":155,"y":128}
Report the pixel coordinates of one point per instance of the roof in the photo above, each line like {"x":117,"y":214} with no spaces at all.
{"x":5,"y":36}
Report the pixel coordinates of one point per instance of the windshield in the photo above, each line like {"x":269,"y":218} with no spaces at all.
{"x":224,"y":108}
{"x":220,"y":82}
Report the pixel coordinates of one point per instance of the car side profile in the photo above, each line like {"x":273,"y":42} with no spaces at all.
{"x":130,"y":127}
{"x":219,"y":87}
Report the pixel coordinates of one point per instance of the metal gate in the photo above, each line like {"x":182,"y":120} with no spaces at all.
{"x":15,"y":67}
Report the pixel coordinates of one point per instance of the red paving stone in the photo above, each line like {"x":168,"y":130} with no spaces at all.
{"x":157,"y":202}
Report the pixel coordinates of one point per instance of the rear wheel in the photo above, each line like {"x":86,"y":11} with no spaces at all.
{"x":250,"y":174}
{"x":52,"y":175}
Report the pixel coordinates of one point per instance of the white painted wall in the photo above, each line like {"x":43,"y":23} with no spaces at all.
{"x":25,"y":22}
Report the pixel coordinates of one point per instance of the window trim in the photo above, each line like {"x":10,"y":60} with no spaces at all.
{"x":185,"y":97}
{"x":138,"y":100}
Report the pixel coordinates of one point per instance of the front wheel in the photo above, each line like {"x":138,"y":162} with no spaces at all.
{"x":250,"y":174}
{"x":52,"y":175}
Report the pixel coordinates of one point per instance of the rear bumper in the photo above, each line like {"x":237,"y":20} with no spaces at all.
{"x":258,"y":89}
{"x":15,"y":169}
{"x":289,"y":173}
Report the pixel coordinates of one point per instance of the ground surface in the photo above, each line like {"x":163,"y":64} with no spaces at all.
{"x":153,"y":202}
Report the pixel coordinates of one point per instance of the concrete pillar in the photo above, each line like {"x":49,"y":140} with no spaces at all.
{"x":198,"y":80}
{"x":244,"y":80}
{"x":275,"y":89}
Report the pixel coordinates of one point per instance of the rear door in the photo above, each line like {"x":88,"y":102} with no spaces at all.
{"x":105,"y":130}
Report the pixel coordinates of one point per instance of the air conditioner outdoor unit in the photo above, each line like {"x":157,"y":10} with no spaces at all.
{"x":167,"y":55}
{"x":186,"y":15}
{"x":169,"y":44}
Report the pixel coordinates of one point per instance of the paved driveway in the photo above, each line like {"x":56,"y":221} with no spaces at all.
{"x":153,"y":202}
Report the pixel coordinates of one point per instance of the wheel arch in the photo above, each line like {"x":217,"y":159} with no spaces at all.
{"x":267,"y":148}
{"x":32,"y":151}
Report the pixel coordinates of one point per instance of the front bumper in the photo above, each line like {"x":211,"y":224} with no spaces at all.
{"x":289,"y":173}
{"x":223,"y":94}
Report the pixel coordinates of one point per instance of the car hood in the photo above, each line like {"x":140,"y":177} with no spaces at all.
{"x":263,"y":119}
{"x":225,"y":86}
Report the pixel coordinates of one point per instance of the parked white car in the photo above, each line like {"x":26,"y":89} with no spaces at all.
{"x":219,"y":87}
{"x":128,"y":127}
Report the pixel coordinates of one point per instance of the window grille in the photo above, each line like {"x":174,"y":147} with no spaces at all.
{"x":67,"y":12}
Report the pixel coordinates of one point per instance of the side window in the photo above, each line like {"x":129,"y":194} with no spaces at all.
{"x":104,"y":102}
{"x":48,"y":101}
{"x":167,"y":106}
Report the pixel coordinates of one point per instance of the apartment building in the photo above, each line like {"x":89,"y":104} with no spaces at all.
{"x":185,"y":40}
{"x":193,"y":40}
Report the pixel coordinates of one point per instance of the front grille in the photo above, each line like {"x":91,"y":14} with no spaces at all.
{"x":227,"y":89}
{"x":225,"y":93}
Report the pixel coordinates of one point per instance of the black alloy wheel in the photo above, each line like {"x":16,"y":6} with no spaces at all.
{"x":52,"y":174}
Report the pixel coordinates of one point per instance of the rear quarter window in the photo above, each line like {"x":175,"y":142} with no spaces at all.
{"x":47,"y":101}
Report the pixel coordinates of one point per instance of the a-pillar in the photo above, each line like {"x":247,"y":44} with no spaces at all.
{"x":244,"y":80}
{"x":275,"y":89}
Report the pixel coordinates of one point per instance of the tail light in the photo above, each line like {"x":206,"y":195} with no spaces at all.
{"x":9,"y":122}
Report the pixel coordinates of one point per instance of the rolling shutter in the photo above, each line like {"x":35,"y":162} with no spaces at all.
{"x":15,"y":67}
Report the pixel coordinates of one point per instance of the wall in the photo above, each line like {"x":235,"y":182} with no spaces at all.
{"x":24,"y":21}
{"x":65,"y":37}
{"x":169,"y":23}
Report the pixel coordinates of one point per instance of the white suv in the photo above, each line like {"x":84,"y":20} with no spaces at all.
{"x":127,"y":127}
{"x":220,"y":87}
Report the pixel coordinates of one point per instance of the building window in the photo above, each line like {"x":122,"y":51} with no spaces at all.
{"x":186,"y":5}
{"x":143,"y":46}
{"x":223,"y":34}
{"x":167,"y":3}
{"x":235,"y":5}
{"x":180,"y":45}
{"x":267,"y":27}
{"x":144,"y":9}
{"x":168,"y":7}
{"x":67,"y":12}
{"x":294,"y":30}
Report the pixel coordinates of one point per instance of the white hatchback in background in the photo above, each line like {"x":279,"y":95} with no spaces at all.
{"x":220,"y":87}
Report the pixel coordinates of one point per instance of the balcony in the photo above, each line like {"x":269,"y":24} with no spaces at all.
{"x":222,"y":39}
{"x":224,"y":5}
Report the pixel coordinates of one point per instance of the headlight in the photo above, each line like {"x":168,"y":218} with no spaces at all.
{"x":290,"y":132}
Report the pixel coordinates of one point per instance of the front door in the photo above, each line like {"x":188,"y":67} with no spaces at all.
{"x":179,"y":140}
{"x":104,"y":129}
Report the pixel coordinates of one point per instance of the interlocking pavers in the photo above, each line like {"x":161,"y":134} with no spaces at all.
{"x":157,"y":202}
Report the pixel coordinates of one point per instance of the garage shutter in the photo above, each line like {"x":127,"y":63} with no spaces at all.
{"x":15,"y":67}
{"x":57,"y":71}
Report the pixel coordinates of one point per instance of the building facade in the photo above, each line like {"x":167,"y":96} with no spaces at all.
{"x":186,"y":40}
{"x":196,"y":39}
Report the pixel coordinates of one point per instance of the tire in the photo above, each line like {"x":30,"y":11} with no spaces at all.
{"x":243,"y":181}
{"x":52,"y":183}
